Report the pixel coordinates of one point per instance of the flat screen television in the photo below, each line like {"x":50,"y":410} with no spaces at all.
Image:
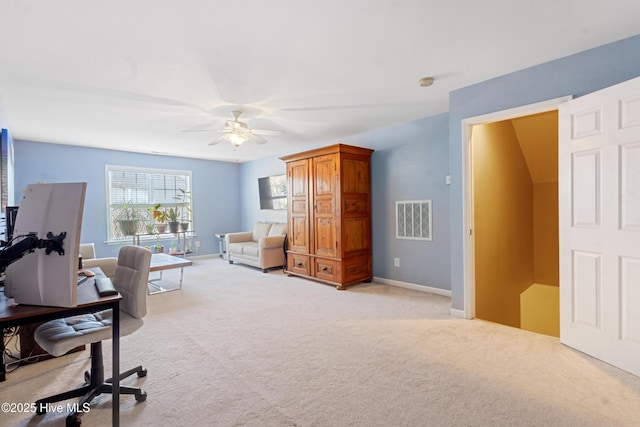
{"x":50,"y":279}
{"x":273,"y":192}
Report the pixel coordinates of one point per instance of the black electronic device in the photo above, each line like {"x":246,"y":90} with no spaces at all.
{"x":10,"y":217}
{"x":273,"y":192}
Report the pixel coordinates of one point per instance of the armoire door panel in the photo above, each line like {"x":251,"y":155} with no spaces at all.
{"x":299,"y":206}
{"x":299,"y":234}
{"x":324,"y":169}
{"x":324,"y":207}
{"x":325,"y":237}
{"x":298,"y":179}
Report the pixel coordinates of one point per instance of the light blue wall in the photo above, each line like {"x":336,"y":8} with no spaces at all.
{"x":410,"y":162}
{"x":574,"y":75}
{"x":250,"y":211}
{"x":215,"y":195}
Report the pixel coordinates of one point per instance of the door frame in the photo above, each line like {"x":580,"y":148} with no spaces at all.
{"x":467,"y":187}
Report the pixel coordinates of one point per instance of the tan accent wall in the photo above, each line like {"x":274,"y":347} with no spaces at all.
{"x":538,"y":138}
{"x":503,"y":223}
{"x":540,"y":309}
{"x":546,"y":266}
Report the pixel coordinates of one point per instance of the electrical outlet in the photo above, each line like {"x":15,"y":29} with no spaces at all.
{"x":197,"y":243}
{"x":396,"y":262}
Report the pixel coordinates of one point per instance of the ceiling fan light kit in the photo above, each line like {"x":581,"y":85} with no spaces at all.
{"x":237,"y":132}
{"x":235,"y":138}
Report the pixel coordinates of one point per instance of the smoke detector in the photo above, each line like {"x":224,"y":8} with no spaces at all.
{"x":425,"y":81}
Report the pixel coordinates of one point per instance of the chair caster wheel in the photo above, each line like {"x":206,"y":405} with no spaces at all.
{"x":142,"y":396}
{"x":142,"y":373}
{"x":72,"y":421}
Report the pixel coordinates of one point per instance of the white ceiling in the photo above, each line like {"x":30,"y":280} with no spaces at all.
{"x":132,"y":74}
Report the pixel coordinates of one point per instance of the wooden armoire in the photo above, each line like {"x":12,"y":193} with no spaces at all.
{"x":329,"y":209}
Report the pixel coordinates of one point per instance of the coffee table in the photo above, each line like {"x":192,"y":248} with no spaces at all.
{"x":161,"y":262}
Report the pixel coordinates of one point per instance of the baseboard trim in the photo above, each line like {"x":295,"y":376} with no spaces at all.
{"x":457,"y":313}
{"x":413,"y":286}
{"x":205,"y":256}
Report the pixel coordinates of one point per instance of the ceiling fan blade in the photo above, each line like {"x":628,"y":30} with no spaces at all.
{"x":256,"y":138}
{"x":217,"y":140}
{"x":267,"y":132}
{"x":206,"y":130}
{"x":231,"y":125}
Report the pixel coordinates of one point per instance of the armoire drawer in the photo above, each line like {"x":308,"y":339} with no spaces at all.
{"x":299,"y":264}
{"x":326,"y":269}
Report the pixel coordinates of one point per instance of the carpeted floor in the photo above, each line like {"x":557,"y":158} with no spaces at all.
{"x":237,"y":347}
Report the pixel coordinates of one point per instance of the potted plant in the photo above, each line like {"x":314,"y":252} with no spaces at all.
{"x":172,"y":215}
{"x":159,"y":216}
{"x":184,"y":198}
{"x":149,"y":222}
{"x":159,"y":248}
{"x":128,"y":221}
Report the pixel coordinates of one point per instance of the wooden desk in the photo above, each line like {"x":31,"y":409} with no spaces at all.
{"x":12,"y":315}
{"x":161,"y":262}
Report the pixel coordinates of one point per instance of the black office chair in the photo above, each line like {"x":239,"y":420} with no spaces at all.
{"x":59,"y":336}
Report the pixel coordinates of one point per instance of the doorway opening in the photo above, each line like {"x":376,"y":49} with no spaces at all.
{"x":511,"y":198}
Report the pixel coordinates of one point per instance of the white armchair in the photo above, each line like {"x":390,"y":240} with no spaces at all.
{"x":262,"y":247}
{"x":107,"y":265}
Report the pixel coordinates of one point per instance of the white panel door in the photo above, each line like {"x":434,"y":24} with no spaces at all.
{"x":599,"y":180}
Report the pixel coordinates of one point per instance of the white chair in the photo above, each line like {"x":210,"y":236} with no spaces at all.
{"x":59,"y":336}
{"x":107,"y":265}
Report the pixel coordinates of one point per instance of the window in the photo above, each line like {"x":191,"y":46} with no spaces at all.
{"x":413,"y":220}
{"x":131,"y":191}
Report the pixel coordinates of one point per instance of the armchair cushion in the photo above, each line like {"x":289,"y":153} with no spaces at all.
{"x":251,"y":249}
{"x":107,"y":265}
{"x":87,"y":250}
{"x":89,"y":260}
{"x":245,"y":236}
{"x":271,"y":242}
{"x":260,"y":230}
{"x":278,"y":229}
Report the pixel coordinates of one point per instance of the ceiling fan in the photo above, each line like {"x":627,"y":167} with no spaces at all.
{"x":237,"y":132}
